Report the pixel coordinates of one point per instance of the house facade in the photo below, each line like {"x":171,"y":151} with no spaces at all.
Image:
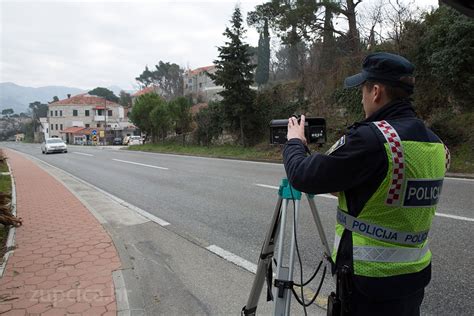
{"x":200,"y":86}
{"x":87,"y":112}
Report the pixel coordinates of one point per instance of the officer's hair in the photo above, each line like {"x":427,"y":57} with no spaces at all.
{"x":393,"y":93}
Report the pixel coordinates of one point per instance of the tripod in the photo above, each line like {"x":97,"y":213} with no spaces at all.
{"x":284,"y":275}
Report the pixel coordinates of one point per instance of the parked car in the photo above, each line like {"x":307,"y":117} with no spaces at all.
{"x":53,"y":145}
{"x":135,"y":140}
{"x":125,"y":140}
{"x":117,"y":141}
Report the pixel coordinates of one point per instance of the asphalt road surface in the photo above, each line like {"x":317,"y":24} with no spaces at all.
{"x":228,"y":204}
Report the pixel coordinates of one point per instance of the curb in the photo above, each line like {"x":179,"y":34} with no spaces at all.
{"x":11,"y":232}
{"x":460,"y":175}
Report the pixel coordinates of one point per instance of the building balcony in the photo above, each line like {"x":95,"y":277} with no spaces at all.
{"x":99,"y":118}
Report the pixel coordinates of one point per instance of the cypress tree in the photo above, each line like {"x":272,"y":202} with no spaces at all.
{"x":263,"y":66}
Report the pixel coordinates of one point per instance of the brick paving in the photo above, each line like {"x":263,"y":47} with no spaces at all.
{"x":63,"y":261}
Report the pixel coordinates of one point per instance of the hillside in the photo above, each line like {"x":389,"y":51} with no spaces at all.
{"x":18,"y":97}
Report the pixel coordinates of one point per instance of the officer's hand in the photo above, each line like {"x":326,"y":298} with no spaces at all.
{"x":296,"y":130}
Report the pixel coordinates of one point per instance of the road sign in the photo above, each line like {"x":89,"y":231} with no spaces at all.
{"x":94,"y":132}
{"x":94,"y":138}
{"x":101,"y":134}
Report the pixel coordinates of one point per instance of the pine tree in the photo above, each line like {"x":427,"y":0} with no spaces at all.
{"x":234,"y":73}
{"x":263,"y":66}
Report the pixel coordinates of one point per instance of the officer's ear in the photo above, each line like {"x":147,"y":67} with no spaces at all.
{"x":377,"y":91}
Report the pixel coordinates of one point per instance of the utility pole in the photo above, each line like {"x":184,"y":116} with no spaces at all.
{"x":105,"y":116}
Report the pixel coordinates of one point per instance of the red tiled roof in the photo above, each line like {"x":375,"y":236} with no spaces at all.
{"x":197,"y":107}
{"x":146,"y":90}
{"x":84,"y":99}
{"x":72,"y":130}
{"x":201,"y":69}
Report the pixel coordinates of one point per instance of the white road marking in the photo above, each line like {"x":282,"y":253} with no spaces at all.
{"x":462,"y":218}
{"x":329,"y":196}
{"x":140,"y":164}
{"x":84,"y":154}
{"x":229,"y":256}
{"x":267,"y":186}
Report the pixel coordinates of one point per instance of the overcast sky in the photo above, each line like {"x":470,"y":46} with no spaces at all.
{"x":86,"y":44}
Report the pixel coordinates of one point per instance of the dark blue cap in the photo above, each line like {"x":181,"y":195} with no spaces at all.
{"x":386,"y":68}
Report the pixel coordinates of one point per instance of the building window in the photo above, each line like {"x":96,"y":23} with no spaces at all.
{"x":100,"y":112}
{"x":200,"y":85}
{"x":56,"y":113}
{"x":56,"y":128}
{"x":98,"y":125}
{"x":109,"y":113}
{"x":74,"y":112}
{"x":51,"y":113}
{"x":86,"y":112}
{"x":61,"y":127}
{"x":60,"y":112}
{"x":87,"y":125}
{"x":52,"y":126}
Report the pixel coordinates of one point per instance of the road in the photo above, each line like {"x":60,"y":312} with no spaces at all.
{"x":228,"y":204}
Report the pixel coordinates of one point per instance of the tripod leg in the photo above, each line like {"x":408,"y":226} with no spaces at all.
{"x":319,"y":225}
{"x":264,"y":262}
{"x":284,"y":275}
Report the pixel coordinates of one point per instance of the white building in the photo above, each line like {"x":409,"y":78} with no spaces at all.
{"x":200,"y":86}
{"x":74,"y":118}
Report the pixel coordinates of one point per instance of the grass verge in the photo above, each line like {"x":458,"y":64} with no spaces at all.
{"x":462,"y":159}
{"x":260,"y":152}
{"x":5,"y":187}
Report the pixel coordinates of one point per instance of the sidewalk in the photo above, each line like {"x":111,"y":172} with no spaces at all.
{"x":64,"y":259}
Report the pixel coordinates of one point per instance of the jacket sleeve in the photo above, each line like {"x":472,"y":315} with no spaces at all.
{"x":348,"y":166}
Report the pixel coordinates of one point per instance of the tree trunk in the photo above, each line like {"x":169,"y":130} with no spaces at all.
{"x":242,"y":132}
{"x":328,"y":40}
{"x":353,"y":32}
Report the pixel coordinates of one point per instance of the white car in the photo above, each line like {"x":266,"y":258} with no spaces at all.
{"x":135,"y":140}
{"x":53,"y":145}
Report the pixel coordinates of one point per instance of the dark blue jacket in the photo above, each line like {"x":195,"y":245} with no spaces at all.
{"x":358,"y":167}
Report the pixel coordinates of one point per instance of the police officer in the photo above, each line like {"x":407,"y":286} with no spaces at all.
{"x":388,"y":171}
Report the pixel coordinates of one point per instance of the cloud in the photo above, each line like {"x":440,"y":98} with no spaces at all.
{"x":91,"y":43}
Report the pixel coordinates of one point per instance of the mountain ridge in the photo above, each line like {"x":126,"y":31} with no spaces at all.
{"x":19,"y":97}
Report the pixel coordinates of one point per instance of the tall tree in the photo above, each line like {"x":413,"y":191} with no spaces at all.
{"x":160,"y":120}
{"x":145,"y":79}
{"x":125,"y":99}
{"x":7,"y":112}
{"x":179,"y":109}
{"x":168,"y":76}
{"x":140,"y":114}
{"x":234,"y":73}
{"x":39,"y":109}
{"x":104,"y":93}
{"x":263,"y":66}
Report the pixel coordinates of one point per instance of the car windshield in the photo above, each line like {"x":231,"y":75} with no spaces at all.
{"x":54,"y":141}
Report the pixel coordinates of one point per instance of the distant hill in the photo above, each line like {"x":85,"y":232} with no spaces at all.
{"x":18,"y":97}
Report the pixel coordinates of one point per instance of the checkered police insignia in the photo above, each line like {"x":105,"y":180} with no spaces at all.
{"x":341,"y":142}
{"x":448,"y":157}
{"x":398,"y":162}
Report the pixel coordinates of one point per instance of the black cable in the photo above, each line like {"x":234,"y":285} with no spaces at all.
{"x":317,"y":292}
{"x":312,"y":277}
